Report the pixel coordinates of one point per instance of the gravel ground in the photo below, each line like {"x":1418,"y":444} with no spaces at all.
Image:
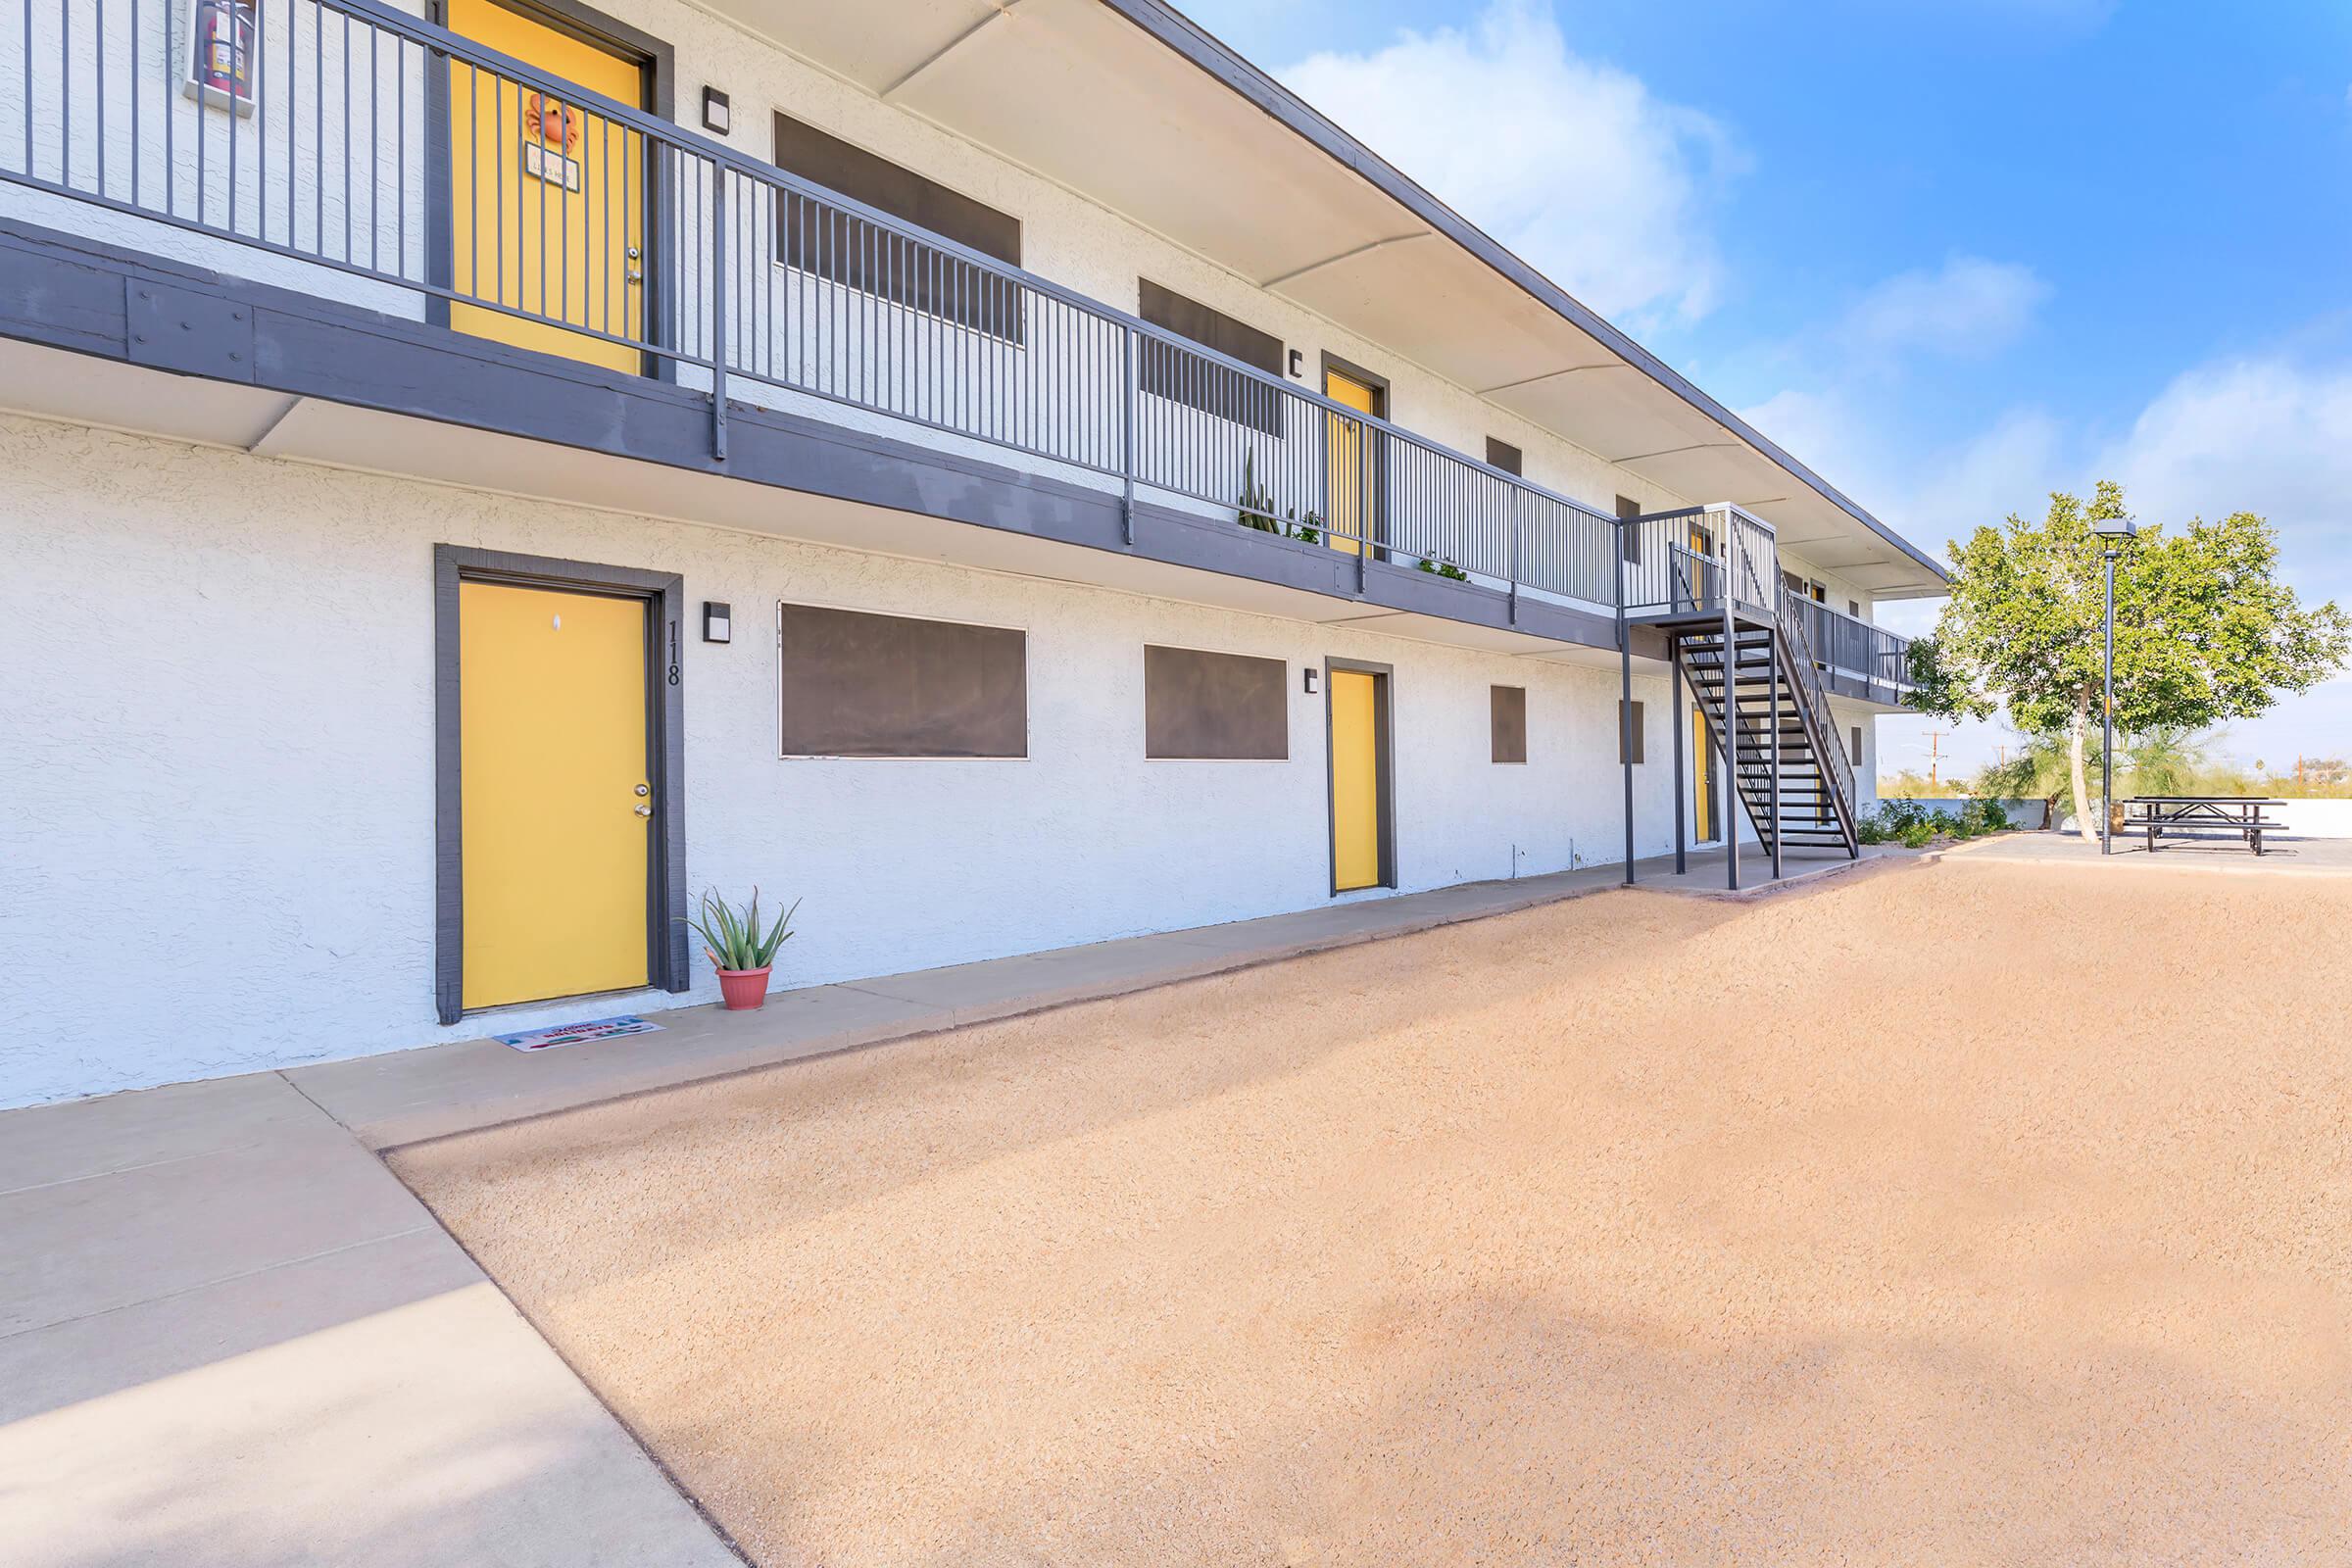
{"x":1975,"y":1212}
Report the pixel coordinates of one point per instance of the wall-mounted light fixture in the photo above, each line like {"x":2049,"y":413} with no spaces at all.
{"x":1310,"y":680}
{"x":716,"y":116}
{"x":717,"y":624}
{"x":1297,"y":364}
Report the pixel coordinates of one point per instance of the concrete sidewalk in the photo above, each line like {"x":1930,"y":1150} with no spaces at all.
{"x":410,"y":1096}
{"x":228,"y":1336}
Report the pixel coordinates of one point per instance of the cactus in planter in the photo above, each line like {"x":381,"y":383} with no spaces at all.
{"x":741,"y":949}
{"x":1256,"y":506}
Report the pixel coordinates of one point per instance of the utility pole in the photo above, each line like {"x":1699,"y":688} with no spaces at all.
{"x":1935,"y":756}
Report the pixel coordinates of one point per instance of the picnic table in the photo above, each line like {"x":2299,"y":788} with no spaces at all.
{"x":2172,"y":814}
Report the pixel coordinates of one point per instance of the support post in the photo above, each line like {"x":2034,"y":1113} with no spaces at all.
{"x":718,"y":312}
{"x":1127,"y":375}
{"x":1363,"y":502}
{"x":1731,"y":722}
{"x":1775,"y":666}
{"x":1624,"y":705}
{"x":1673,"y":681}
{"x":1514,"y":545}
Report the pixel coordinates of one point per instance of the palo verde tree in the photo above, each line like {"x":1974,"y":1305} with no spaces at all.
{"x":2204,"y":630}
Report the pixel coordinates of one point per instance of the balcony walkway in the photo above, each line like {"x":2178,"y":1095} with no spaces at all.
{"x":237,"y":1338}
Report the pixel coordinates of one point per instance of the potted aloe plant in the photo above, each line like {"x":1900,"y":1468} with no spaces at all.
{"x":739,"y":950}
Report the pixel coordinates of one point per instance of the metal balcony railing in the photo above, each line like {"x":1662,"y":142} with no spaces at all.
{"x":1853,"y":647}
{"x":1676,"y":564}
{"x":378,"y":156}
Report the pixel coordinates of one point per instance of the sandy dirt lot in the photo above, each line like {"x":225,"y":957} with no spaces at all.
{"x":1965,"y":1213}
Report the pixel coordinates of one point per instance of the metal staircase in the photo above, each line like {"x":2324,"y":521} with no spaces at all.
{"x":1782,"y":751}
{"x":1709,"y":579}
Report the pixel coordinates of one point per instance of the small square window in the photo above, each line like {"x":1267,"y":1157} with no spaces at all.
{"x":1507,"y":722}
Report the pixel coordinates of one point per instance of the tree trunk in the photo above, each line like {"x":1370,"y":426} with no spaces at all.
{"x":2075,"y":728}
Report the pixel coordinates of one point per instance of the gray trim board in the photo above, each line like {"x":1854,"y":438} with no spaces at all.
{"x":1384,"y":752}
{"x":1212,"y":56}
{"x":69,"y":292}
{"x":664,"y":594}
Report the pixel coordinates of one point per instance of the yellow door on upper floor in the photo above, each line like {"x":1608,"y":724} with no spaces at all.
{"x":546,"y":199}
{"x":1350,"y":485}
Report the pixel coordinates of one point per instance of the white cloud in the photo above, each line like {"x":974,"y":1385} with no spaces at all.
{"x":2267,"y":435}
{"x":2261,"y":435}
{"x":1969,"y":308}
{"x":1572,"y":164}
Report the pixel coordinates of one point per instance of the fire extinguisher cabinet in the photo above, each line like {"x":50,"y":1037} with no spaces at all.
{"x":220,"y":51}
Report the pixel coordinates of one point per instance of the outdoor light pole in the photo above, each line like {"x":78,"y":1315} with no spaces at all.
{"x":2117,"y":531}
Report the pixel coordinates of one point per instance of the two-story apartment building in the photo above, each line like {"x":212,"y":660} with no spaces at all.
{"x":1127,"y":503}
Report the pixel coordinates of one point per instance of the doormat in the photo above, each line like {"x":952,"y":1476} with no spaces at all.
{"x":572,"y":1033}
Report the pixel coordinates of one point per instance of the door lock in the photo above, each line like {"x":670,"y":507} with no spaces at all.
{"x":645,"y":789}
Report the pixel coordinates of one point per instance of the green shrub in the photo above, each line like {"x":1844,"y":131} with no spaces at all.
{"x":1917,"y":835}
{"x":1987,"y":816}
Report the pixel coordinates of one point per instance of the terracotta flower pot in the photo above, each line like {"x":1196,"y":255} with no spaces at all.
{"x":743,"y":989}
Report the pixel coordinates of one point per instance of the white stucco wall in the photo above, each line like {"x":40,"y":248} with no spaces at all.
{"x":218,"y":855}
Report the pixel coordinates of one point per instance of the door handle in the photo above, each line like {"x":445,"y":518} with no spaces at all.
{"x":645,"y":810}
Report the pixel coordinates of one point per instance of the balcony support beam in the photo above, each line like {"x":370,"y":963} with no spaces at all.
{"x":70,"y":292}
{"x":1004,"y":9}
{"x":1350,"y":255}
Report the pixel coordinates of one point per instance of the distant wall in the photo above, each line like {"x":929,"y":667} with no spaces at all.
{"x":2315,"y":820}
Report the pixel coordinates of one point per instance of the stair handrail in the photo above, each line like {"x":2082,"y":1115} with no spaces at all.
{"x":1839,"y":767}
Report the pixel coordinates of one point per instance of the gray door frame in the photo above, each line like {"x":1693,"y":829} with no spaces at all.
{"x":663,"y":596}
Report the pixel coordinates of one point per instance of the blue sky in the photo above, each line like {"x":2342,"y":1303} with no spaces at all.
{"x":1953,"y":253}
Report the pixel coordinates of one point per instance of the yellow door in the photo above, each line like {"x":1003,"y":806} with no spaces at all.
{"x":547,"y":206}
{"x":1354,"y":779}
{"x":1702,"y":775}
{"x":1344,"y":442}
{"x":552,"y":735}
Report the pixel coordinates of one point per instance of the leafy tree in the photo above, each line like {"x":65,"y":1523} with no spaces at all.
{"x":2036,"y":769}
{"x":2167,"y":761}
{"x":2204,"y":630}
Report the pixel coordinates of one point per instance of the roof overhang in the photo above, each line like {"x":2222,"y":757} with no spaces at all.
{"x":1202,"y":147}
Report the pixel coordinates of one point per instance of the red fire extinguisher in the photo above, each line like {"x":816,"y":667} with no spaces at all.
{"x":225,"y":34}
